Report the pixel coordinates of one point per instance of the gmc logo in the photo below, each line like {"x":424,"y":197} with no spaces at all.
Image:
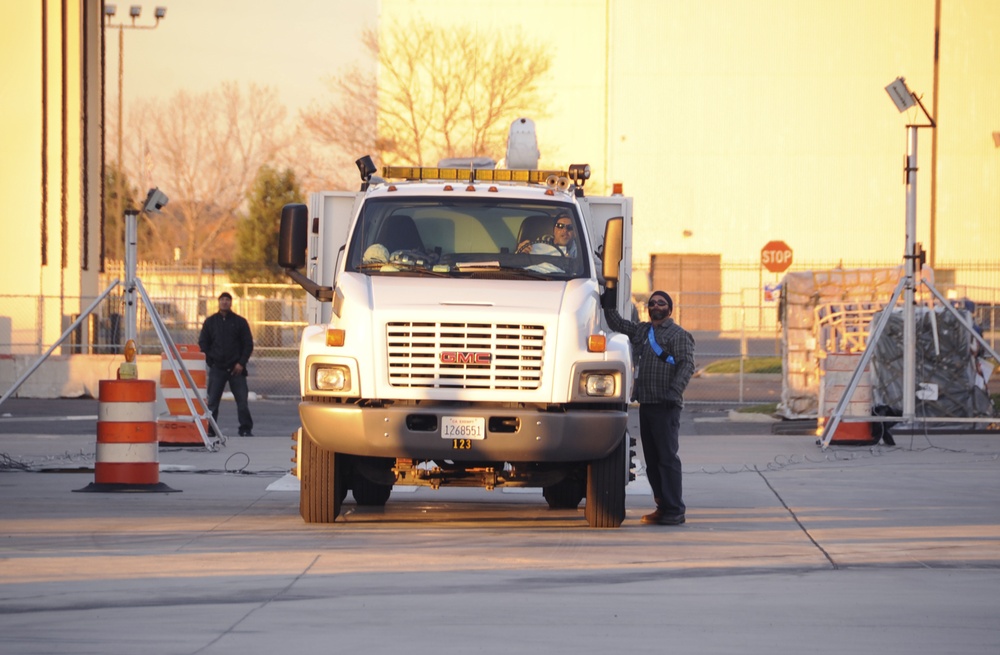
{"x":468,"y":358}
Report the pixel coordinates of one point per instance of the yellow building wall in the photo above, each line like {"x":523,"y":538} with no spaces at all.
{"x":49,"y":256}
{"x":21,"y":165}
{"x":968,"y":202}
{"x":735,"y":123}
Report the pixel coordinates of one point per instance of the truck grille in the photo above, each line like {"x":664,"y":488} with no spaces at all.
{"x":465,"y":355}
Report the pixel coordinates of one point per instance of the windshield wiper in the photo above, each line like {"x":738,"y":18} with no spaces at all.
{"x":487,"y":269}
{"x":397,"y":267}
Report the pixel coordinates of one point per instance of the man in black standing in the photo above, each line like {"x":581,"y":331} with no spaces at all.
{"x":665,"y":353}
{"x":227,"y":343}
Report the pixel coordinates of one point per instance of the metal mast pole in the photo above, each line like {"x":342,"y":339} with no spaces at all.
{"x":131,"y":234}
{"x":910,"y":258}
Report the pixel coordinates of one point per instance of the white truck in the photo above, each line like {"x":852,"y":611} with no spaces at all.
{"x":456,"y":340}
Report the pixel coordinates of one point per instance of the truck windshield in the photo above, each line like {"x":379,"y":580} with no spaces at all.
{"x":468,"y":238}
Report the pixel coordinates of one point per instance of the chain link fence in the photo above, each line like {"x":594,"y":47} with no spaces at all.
{"x":749,"y":327}
{"x":182,"y":297}
{"x":276,"y":320}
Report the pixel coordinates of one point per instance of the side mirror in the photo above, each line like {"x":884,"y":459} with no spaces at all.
{"x":612,"y":251}
{"x":292,"y":243}
{"x":294,"y":236}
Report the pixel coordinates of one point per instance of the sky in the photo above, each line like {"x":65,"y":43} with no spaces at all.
{"x":291,"y":45}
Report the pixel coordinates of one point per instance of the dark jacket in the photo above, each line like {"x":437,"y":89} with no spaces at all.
{"x":226,"y":340}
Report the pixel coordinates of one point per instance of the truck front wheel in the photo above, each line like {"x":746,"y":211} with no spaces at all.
{"x":371,"y":480}
{"x":606,"y":481}
{"x":321,"y":483}
{"x":567,"y":493}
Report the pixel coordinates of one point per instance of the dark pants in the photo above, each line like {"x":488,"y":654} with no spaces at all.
{"x":217,"y":379}
{"x":659,"y":425}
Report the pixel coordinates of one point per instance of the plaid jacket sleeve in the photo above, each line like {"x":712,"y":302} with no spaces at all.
{"x":681,"y":346}
{"x":619,"y":324}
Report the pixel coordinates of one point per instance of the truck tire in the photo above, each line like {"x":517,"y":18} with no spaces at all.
{"x":368,"y":493}
{"x":565,"y":494}
{"x":605,"y":506}
{"x":321,"y":484}
{"x":371,"y":479}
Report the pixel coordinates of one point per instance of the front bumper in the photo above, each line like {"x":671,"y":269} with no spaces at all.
{"x":512,"y":434}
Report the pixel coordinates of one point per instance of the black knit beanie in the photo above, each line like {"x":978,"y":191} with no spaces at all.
{"x":666,"y":296}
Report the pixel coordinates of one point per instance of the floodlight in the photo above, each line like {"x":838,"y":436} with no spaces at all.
{"x":135,"y":10}
{"x":161,"y":12}
{"x":901,"y":96}
{"x":366,"y":167}
{"x":913,"y":255}
{"x":155,"y":201}
{"x":109,"y":10}
{"x":579,"y":173}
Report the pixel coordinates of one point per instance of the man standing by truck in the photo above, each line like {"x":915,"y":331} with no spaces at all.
{"x":227,"y":343}
{"x":665,"y":366}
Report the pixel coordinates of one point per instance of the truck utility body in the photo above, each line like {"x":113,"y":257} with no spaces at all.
{"x":458,"y":339}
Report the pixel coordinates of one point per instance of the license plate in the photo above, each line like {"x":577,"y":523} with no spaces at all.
{"x":463,"y":427}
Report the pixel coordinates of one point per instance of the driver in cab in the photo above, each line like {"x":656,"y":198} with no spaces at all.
{"x":562,"y":241}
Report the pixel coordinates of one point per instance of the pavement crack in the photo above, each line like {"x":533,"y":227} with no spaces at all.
{"x":261,"y":605}
{"x":796,"y":519}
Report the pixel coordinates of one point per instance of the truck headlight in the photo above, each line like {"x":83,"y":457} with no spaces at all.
{"x":600,"y":384}
{"x":332,"y":378}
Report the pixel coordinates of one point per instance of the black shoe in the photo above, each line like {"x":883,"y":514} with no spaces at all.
{"x":246,"y":433}
{"x":659,"y":518}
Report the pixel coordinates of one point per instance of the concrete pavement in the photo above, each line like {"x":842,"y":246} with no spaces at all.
{"x":787,"y":549}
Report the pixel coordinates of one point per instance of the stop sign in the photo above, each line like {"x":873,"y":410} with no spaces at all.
{"x":776,"y":256}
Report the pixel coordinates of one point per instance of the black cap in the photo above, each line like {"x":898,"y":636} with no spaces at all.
{"x":666,"y":296}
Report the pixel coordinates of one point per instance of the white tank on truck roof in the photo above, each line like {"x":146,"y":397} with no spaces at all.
{"x":522,"y":145}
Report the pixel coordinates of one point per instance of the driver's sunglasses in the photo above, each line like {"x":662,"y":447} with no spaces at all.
{"x":564,"y":226}
{"x":657,"y":303}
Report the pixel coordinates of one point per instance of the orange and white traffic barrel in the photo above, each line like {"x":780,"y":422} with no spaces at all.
{"x":178,"y":427}
{"x":127,"y":451}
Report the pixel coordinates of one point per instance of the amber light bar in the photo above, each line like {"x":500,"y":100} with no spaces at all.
{"x":467,"y":174}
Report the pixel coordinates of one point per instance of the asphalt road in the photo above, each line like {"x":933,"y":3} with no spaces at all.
{"x":704,"y":412}
{"x":787,"y":549}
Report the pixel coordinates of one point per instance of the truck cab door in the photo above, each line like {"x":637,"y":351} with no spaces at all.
{"x":598,"y":210}
{"x":332,"y":212}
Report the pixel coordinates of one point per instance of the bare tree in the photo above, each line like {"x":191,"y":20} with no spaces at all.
{"x":203,"y":150}
{"x":119,"y":193}
{"x":441,"y":92}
